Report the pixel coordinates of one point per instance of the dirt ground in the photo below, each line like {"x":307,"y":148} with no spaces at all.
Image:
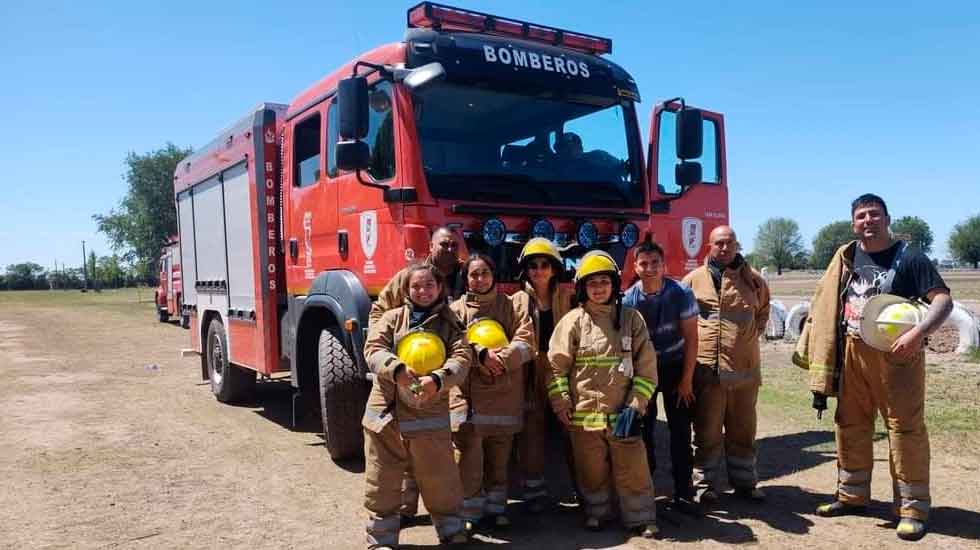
{"x":111,"y":440}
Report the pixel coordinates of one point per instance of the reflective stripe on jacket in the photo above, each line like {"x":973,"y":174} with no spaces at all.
{"x":494,"y":405}
{"x":590,"y":363}
{"x":413,"y":416}
{"x":731,"y":321}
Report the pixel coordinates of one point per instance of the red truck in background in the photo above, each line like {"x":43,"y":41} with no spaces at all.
{"x":293,"y":218}
{"x":169,"y":292}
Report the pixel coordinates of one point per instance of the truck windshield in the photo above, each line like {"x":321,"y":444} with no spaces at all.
{"x":492,"y":146}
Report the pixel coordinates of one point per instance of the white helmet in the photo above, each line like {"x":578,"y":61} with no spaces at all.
{"x":886,"y":317}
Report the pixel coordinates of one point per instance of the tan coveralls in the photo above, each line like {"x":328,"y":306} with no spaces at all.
{"x":416,"y":434}
{"x":487,"y":411}
{"x":532,"y":441}
{"x":872,"y":381}
{"x":392,"y":296}
{"x":590,"y":362}
{"x":728,"y":375}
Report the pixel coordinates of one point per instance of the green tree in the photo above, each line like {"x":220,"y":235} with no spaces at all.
{"x":109,"y":272}
{"x":146,"y":216}
{"x":778,"y":243}
{"x":964,"y":241}
{"x":916,"y":229}
{"x":830,"y":237}
{"x":93,"y":278}
{"x":24,"y":276}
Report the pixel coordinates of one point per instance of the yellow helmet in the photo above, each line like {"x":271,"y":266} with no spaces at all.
{"x":596,"y":261}
{"x":487,"y":333}
{"x":421,"y":351}
{"x":886,"y":317}
{"x":539,"y":246}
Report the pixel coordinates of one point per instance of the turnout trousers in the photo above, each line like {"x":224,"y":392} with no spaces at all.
{"x":388,"y":456}
{"x":602,"y":462}
{"x":679,"y":419}
{"x":531,"y":443}
{"x":871,"y":383}
{"x":724,"y":424}
{"x":483,"y":467}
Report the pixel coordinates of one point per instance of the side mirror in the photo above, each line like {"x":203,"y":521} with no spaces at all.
{"x":352,"y":107}
{"x":423,"y":76}
{"x":352,"y":155}
{"x":687,"y":174}
{"x":689,"y":137}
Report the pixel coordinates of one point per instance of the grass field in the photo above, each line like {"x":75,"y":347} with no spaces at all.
{"x":964,"y":284}
{"x":952,"y":397}
{"x":137,"y":302}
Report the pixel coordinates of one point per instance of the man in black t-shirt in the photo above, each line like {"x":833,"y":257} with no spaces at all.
{"x":892,"y":383}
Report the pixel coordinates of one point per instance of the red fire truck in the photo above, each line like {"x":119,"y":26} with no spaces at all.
{"x":295,"y":216}
{"x":168,"y":294}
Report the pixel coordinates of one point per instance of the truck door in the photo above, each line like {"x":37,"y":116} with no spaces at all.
{"x":682,"y":218}
{"x":310,"y":201}
{"x":374,"y":240}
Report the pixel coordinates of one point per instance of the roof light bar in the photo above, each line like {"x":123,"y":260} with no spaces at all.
{"x":430,"y":15}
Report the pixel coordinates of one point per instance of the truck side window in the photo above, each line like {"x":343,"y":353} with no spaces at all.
{"x":710,"y":170}
{"x":333,"y":135}
{"x":306,"y":151}
{"x":381,"y":132}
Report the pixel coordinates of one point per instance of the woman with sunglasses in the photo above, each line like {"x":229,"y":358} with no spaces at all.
{"x":545,"y":303}
{"x":487,"y":410}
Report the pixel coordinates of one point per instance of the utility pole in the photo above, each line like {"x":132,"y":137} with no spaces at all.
{"x":84,"y":267}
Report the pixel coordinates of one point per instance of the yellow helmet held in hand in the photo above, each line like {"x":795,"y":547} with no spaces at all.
{"x":886,"y":317}
{"x":487,"y":333}
{"x":421,"y":351}
{"x":539,"y":246}
{"x":596,"y":261}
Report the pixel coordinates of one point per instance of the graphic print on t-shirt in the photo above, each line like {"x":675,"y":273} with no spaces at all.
{"x":865,"y":285}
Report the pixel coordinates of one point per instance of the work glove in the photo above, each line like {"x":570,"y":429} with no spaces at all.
{"x":628,"y":423}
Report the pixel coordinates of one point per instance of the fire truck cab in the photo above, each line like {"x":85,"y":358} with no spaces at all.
{"x":168,"y":295}
{"x":500,"y":129}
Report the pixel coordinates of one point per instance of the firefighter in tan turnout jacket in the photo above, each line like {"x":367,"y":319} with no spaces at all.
{"x":867,"y":380}
{"x":444,"y":255}
{"x":488,"y":408}
{"x":734,"y":308}
{"x":418,"y":354}
{"x":545,"y":302}
{"x":605,"y":371}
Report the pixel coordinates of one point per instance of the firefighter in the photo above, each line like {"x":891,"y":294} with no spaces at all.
{"x":546,"y":302}
{"x":734,"y":306}
{"x":417,"y":353}
{"x":488,"y":408}
{"x":443,"y":253}
{"x":867,"y":380}
{"x":671,"y":315}
{"x":605,"y":372}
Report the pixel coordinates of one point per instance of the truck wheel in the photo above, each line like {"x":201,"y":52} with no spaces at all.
{"x":185,"y":321}
{"x":162,"y":315}
{"x":343,"y":394}
{"x":228,"y":382}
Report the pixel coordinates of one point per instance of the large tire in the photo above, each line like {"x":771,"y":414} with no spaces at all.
{"x":795,"y":320}
{"x":229,"y":383}
{"x":185,"y":321}
{"x":162,"y":315}
{"x":343,"y":394}
{"x":776,"y":326}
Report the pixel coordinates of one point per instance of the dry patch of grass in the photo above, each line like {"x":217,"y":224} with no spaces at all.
{"x":137,"y":302}
{"x":952,"y":397}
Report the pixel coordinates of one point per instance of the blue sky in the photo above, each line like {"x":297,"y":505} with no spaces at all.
{"x":822,"y":101}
